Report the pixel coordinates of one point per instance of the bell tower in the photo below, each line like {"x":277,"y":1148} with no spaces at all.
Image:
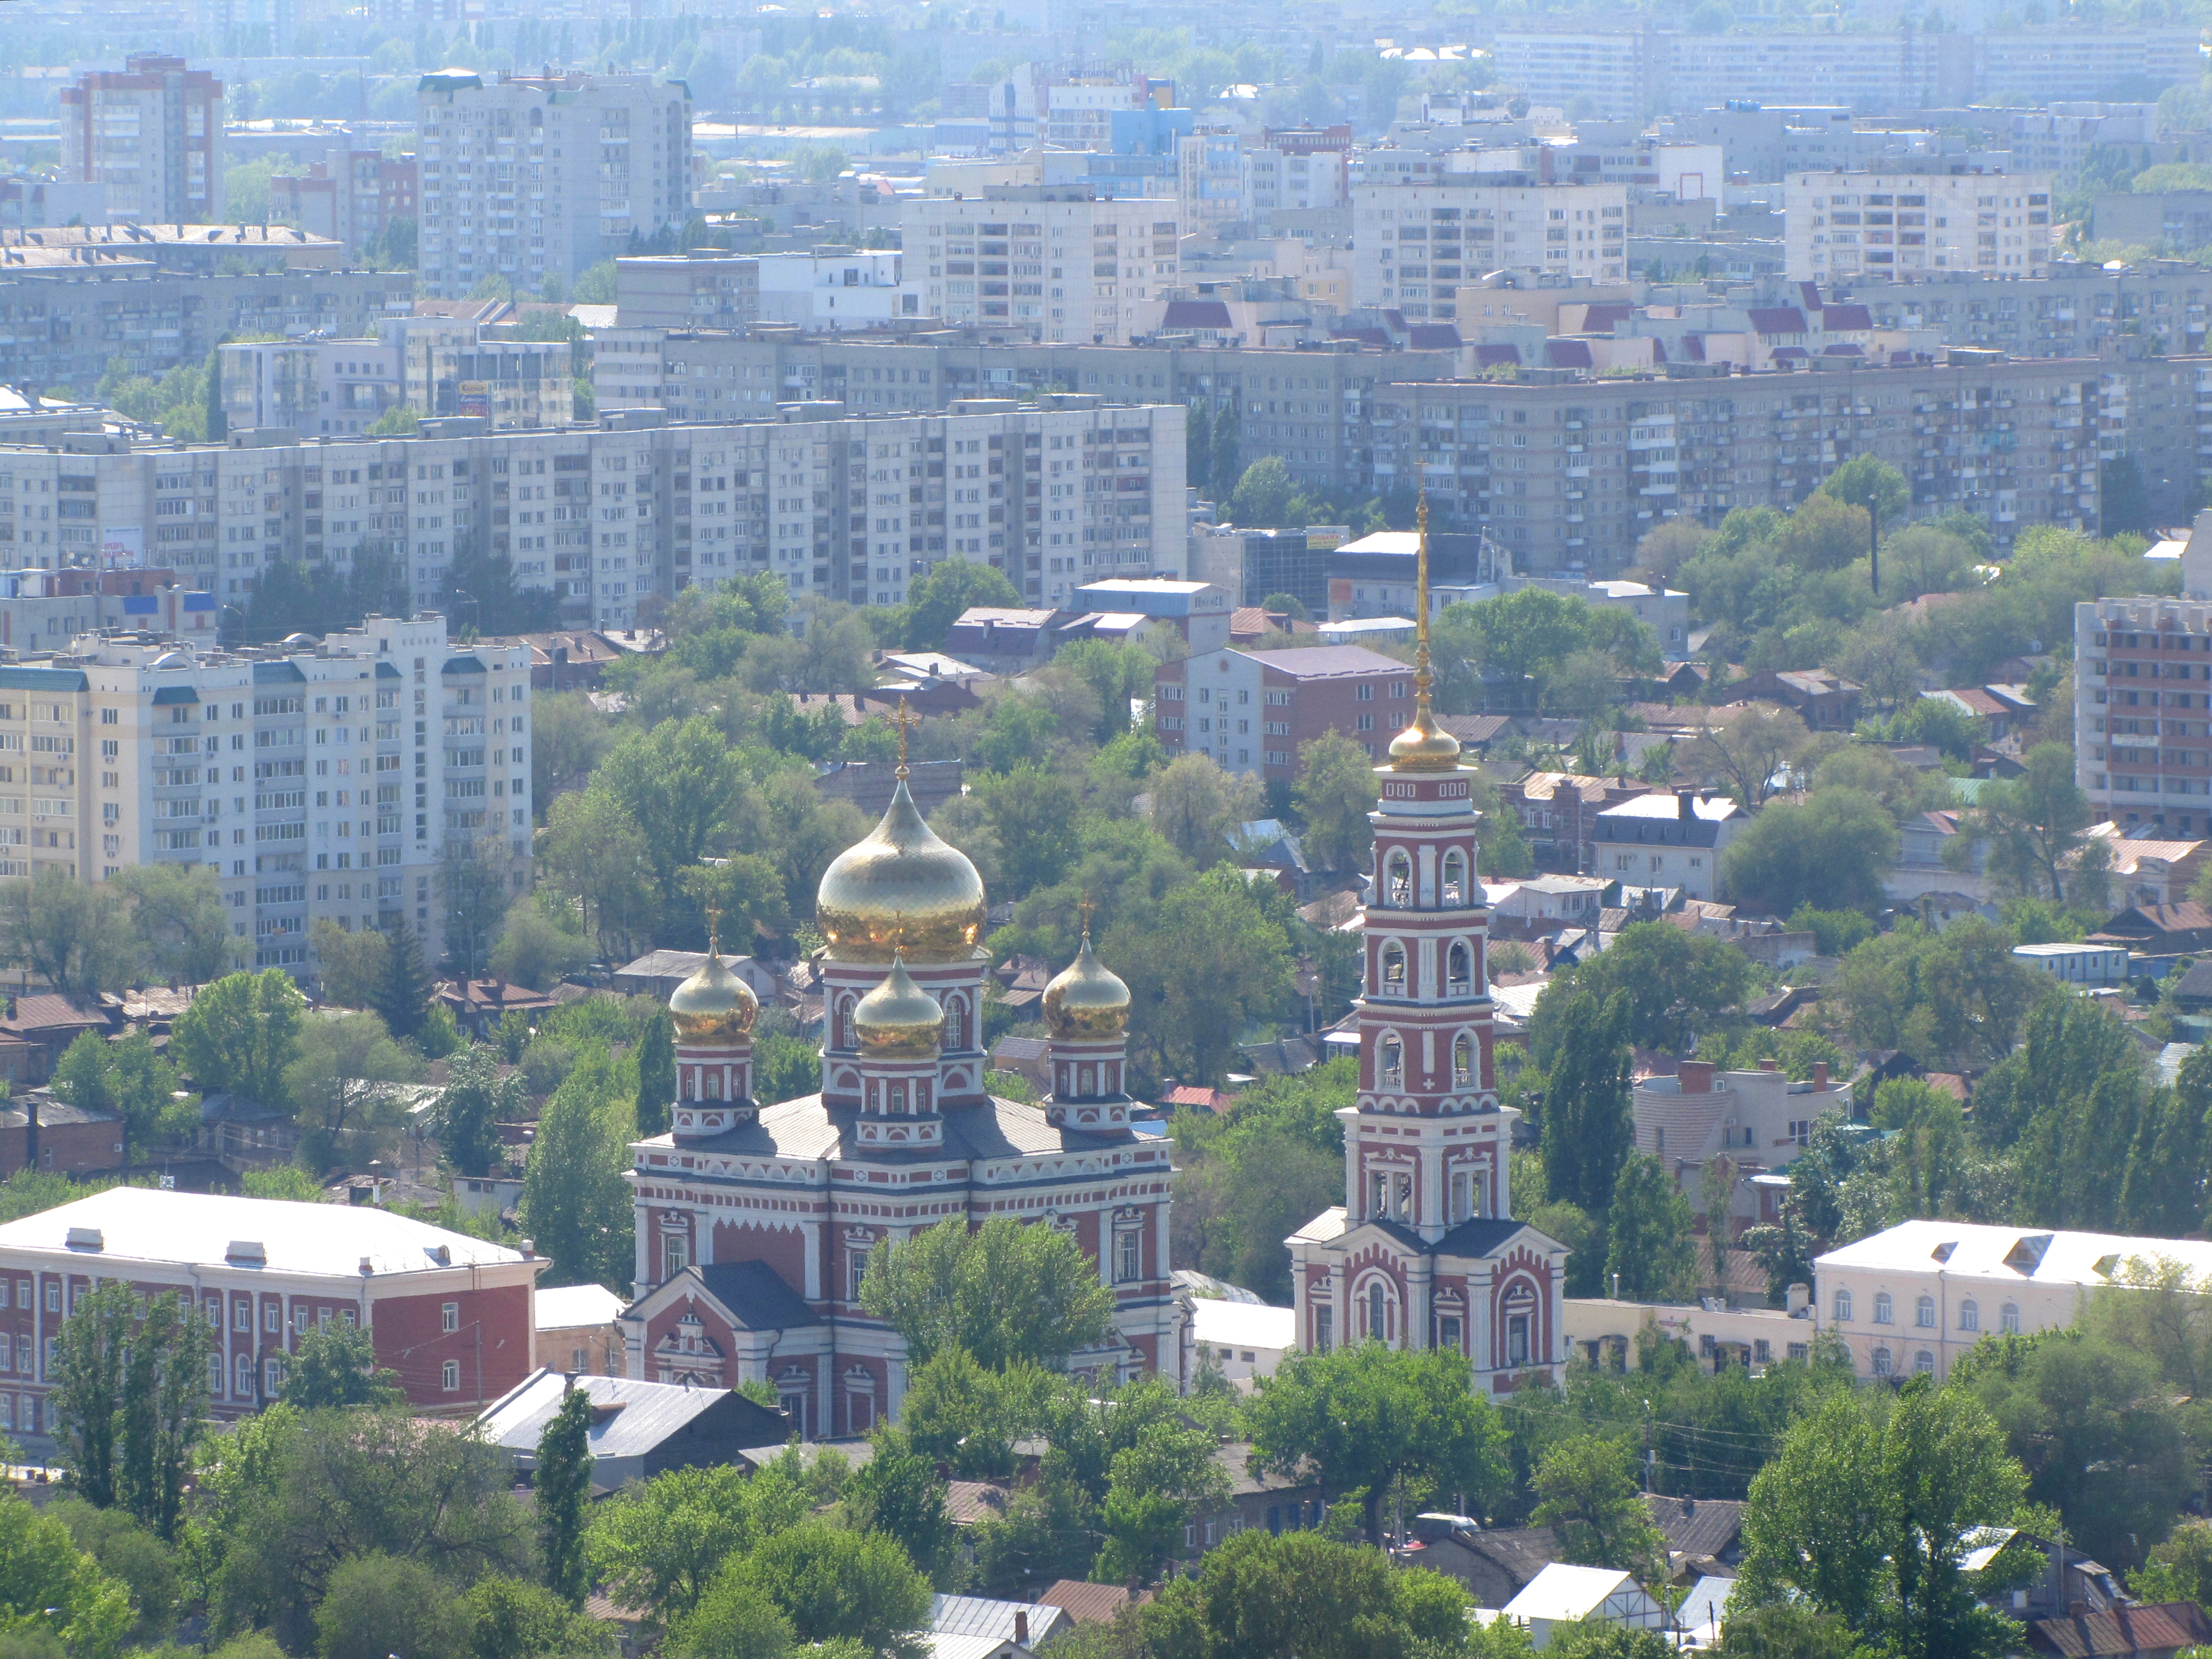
{"x":1426,"y":1143}
{"x":1087,"y":1010}
{"x":899,"y":1030}
{"x":714,"y":1013}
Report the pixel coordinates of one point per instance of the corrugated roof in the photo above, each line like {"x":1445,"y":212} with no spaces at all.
{"x":2003,"y":1255}
{"x":1561,"y":1591}
{"x":630,"y":1416}
{"x":975,"y":1615}
{"x":2122,"y":1632}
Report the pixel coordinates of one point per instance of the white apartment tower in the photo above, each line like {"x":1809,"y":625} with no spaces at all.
{"x":1414,"y":243}
{"x":318,"y":781}
{"x":1843,"y":225}
{"x":152,"y":134}
{"x":1053,"y":263}
{"x":529,"y":176}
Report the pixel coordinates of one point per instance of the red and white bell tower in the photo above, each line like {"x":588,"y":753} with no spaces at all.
{"x":1424,"y":1251}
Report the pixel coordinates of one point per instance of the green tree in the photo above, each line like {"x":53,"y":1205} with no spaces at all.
{"x":680,"y":783}
{"x":1005,"y":1293}
{"x":379,"y":1605}
{"x":73,"y":934}
{"x":952,"y":585}
{"x":1033,"y":812}
{"x":1750,"y":749}
{"x":1831,"y":852}
{"x":1196,"y":806}
{"x":1198,"y":446}
{"x":1589,"y":1130}
{"x":656,"y":1545}
{"x":735,"y":1620}
{"x":1866,"y":1509}
{"x":475,"y":1100}
{"x":1335,"y":791}
{"x":53,"y":1596}
{"x":897,"y":1492}
{"x":504,"y":1618}
{"x":1591,"y":1497}
{"x":1649,"y":1251}
{"x":1226,"y":460}
{"x":833,"y":1584}
{"x":596,"y":857}
{"x":2066,"y":1105}
{"x":1674,"y":981}
{"x":1264,"y":495}
{"x":2035,"y":827}
{"x":576,"y":1203}
{"x":1262,"y":1596}
{"x":1960,"y":993}
{"x":183,"y":927}
{"x":1202,"y":962}
{"x":563,"y":1483}
{"x":656,"y":1075}
{"x":352,"y":964}
{"x":2179,"y":1570}
{"x":333,"y":1366}
{"x":1156,"y":1487}
{"x":94,"y":1362}
{"x":401,"y":996}
{"x":128,"y":1552}
{"x":1785,"y":1629}
{"x":1358,"y":1417}
{"x":129,"y":1078}
{"x":2163,"y":1194}
{"x":131,"y":1400}
{"x":345,"y":1090}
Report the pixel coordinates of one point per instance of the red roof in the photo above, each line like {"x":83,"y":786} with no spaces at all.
{"x":1777,"y":320}
{"x":2156,"y":1628}
{"x":1184,"y":1095}
{"x":1841,"y":320}
{"x":1085,"y":1603}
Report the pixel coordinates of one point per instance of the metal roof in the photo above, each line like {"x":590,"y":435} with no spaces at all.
{"x":630,"y":1417}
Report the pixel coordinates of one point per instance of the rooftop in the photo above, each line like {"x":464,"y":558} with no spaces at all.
{"x":2007,"y":1255}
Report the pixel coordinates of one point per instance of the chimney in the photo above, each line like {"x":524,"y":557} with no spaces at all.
{"x":1685,"y":805}
{"x":1021,"y":1628}
{"x":1697,"y":1076}
{"x":1819,"y":1075}
{"x":1769,"y":1065}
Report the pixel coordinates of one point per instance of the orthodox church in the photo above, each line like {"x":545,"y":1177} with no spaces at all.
{"x":755,"y":1221}
{"x":1424,"y":1252}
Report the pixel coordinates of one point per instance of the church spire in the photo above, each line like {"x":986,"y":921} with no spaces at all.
{"x":1424,"y":746}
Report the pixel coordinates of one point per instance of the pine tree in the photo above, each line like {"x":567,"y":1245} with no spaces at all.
{"x":563,"y":1481}
{"x":1198,"y":447}
{"x":656,"y":1074}
{"x":402,"y":994}
{"x":1226,"y":465}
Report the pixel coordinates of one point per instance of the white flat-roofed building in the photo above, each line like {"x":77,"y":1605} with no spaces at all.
{"x":1839,"y":225}
{"x":450,"y":1314}
{"x":1246,"y":1339}
{"x":1667,"y":840}
{"x":2077,"y":964}
{"x":1574,"y":1595}
{"x":1047,"y":263}
{"x":1914,"y":1297}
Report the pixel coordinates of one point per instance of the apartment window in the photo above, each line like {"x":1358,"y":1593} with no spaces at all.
{"x":1884,"y":1310}
{"x":1128,"y":1256}
{"x":449,"y":1376}
{"x":449,"y":1316}
{"x":2008,"y":1319}
{"x":1843,"y":1307}
{"x":272,"y":1317}
{"x":272,"y":1378}
{"x":1882,"y":1365}
{"x":1923,"y":1363}
{"x":1970,"y":1315}
{"x":675,"y":1255}
{"x":241,"y":1377}
{"x":857,"y":1267}
{"x":53,"y":1297}
{"x":1324,"y":1329}
{"x":1924,"y":1313}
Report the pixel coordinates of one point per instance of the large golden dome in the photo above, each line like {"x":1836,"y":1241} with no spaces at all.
{"x":1424,"y":746}
{"x":714,"y":1005}
{"x":900,"y":886}
{"x":898,"y":1020}
{"x":1087,"y":999}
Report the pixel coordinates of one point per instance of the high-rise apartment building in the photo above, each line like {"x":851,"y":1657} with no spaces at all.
{"x":1844,"y":225}
{"x":2143,"y":709}
{"x":316,"y":780}
{"x":152,"y":134}
{"x":1056,"y":494}
{"x":435,"y":366}
{"x":1045,"y":262}
{"x":1414,"y":243}
{"x":528,"y":177}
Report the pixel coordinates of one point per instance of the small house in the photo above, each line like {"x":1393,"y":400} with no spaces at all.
{"x":1562,"y":1594}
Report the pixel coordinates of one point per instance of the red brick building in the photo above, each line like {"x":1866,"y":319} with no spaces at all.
{"x":1251,"y":710}
{"x":1558,"y":815}
{"x":452,"y":1316}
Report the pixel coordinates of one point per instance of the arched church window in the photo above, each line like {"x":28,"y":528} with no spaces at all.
{"x":1461,"y":973}
{"x":955,"y":1021}
{"x":1378,"y":1312}
{"x":1392,"y":1057}
{"x":1454,"y":878}
{"x":845,"y":1022}
{"x":713,"y":1083}
{"x":1394,"y":969}
{"x":1462,"y":1060}
{"x":1398,"y":881}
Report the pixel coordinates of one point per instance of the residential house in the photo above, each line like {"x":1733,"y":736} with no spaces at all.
{"x":1559,"y":811}
{"x":1254,"y":712}
{"x":1757,"y":1120}
{"x":1606,"y":1329}
{"x":869,"y":784}
{"x":1280,"y":1503}
{"x":1086,"y":1603}
{"x":577,"y":1329}
{"x":2158,"y":930}
{"x":2081,"y":964}
{"x":1916,"y":1296}
{"x":1825,"y":702}
{"x":658,"y":973}
{"x":1770,"y":943}
{"x":1265,"y":844}
{"x":1542,"y":904}
{"x":1028,"y":1057}
{"x":1498,"y":1565}
{"x":38,"y":1132}
{"x":2154,"y":1629}
{"x":1246,"y":1339}
{"x":971,"y":1627}
{"x":2151,"y":870}
{"x":1667,"y":840}
{"x":638,"y":1429}
{"x":1564,"y":1595}
{"x":2002,"y":709}
{"x":46,"y":1024}
{"x":1920,"y":869}
{"x":478,"y":1006}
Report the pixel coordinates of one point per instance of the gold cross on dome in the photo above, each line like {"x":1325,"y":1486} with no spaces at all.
{"x":714,"y":930}
{"x":1083,"y":909}
{"x":905,"y":718}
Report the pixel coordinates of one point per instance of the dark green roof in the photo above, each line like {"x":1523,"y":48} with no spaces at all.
{"x":43,"y":679}
{"x":452,"y":80}
{"x":278,"y":673}
{"x":463,"y":665}
{"x":175,"y":693}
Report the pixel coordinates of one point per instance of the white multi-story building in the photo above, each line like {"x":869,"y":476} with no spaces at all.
{"x":1052,"y":264}
{"x":432,"y":365}
{"x":152,"y":134}
{"x":608,"y":517}
{"x":1414,"y":244}
{"x":529,"y":176}
{"x":1845,"y":225}
{"x":316,"y":779}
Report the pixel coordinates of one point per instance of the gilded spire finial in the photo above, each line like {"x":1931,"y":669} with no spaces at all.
{"x":1424,"y":746}
{"x":904,"y":717}
{"x":714,"y":930}
{"x":1084,"y":909}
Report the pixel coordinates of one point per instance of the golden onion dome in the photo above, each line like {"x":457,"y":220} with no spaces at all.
{"x":1087,"y":999}
{"x":714,"y":1005}
{"x":901,"y":886}
{"x":1424,"y":746}
{"x":898,"y":1020}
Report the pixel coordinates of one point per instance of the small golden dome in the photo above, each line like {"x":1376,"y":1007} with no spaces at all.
{"x":1424,"y":746}
{"x":714,"y":1005}
{"x":1087,"y":999}
{"x":901,"y":886}
{"x":898,"y":1020}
